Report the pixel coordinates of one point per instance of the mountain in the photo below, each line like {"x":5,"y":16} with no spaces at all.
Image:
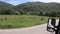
{"x":31,"y":8}
{"x":5,"y":5}
{"x":38,"y":5}
{"x":6,"y":8}
{"x":36,"y":8}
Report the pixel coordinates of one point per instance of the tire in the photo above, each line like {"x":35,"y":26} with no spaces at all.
{"x":58,"y":32}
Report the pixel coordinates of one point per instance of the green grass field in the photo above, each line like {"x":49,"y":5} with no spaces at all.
{"x":20,"y":21}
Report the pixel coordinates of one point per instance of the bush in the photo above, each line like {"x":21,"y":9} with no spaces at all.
{"x":42,"y":18}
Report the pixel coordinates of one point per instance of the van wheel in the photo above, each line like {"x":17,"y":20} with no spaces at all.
{"x":59,"y":31}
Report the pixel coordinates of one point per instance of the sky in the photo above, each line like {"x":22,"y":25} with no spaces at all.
{"x":16,"y":2}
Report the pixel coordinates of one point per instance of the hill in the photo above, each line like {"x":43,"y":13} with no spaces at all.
{"x":6,"y":8}
{"x":5,"y":5}
{"x":39,"y":8}
{"x":31,"y":8}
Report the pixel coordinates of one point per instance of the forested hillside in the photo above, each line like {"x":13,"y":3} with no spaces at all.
{"x":39,"y":8}
{"x":31,"y":8}
{"x":5,"y":5}
{"x":6,"y":8}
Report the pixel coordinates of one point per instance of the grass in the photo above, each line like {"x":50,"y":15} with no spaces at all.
{"x":20,"y":21}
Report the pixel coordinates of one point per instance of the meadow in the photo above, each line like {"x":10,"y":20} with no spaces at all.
{"x":20,"y":21}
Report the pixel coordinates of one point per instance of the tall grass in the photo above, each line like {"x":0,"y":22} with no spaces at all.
{"x":20,"y":21}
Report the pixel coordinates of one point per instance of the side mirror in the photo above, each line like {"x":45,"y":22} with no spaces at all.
{"x":51,"y":24}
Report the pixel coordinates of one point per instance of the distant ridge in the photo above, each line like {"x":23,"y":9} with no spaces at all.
{"x":34,"y":8}
{"x":5,"y":4}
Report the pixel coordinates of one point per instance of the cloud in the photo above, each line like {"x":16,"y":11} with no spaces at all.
{"x":7,"y":0}
{"x":47,"y":1}
{"x":14,"y":2}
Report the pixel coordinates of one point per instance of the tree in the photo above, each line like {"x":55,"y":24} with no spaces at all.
{"x":41,"y":13}
{"x":7,"y":11}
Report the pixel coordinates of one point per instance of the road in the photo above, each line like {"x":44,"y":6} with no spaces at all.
{"x":40,"y":29}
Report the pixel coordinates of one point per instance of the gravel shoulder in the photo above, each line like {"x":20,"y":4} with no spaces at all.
{"x":40,"y":29}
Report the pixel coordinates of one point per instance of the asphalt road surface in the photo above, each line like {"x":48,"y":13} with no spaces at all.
{"x":40,"y":29}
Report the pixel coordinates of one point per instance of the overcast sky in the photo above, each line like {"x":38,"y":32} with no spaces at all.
{"x":16,"y":2}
